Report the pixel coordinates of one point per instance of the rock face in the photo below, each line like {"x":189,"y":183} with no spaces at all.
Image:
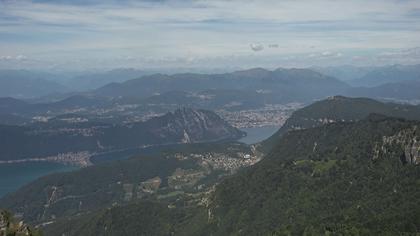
{"x":77,"y":141}
{"x":407,"y":142}
{"x":188,"y":125}
{"x":9,"y":226}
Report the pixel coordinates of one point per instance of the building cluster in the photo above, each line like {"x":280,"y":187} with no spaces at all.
{"x":81,"y":159}
{"x":86,"y":132}
{"x":270,"y":115}
{"x":221,"y":161}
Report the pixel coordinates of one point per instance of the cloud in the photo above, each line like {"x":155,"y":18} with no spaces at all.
{"x":401,"y":53}
{"x":256,"y":47}
{"x":5,"y":58}
{"x":63,"y":31}
{"x":414,"y":13}
{"x":21,"y":57}
{"x":325,"y":55}
{"x":13,"y":58}
{"x":331,"y":54}
{"x":399,"y":56}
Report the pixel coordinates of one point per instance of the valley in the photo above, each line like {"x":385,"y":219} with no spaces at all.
{"x":31,"y":169}
{"x":109,"y":151}
{"x":204,"y":180}
{"x":209,"y":118}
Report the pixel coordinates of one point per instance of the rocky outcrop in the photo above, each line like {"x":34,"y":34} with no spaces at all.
{"x":188,"y":125}
{"x":9,"y":226}
{"x":405,"y":143}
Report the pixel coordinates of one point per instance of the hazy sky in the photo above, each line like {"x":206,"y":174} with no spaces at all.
{"x":79,"y":34}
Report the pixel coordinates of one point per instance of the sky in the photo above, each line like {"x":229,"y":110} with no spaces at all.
{"x":95,"y":34}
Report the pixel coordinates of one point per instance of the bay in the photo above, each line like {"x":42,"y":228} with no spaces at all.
{"x":258,"y":134}
{"x":13,"y":176}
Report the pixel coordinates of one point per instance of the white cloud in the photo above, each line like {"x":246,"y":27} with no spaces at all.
{"x":204,"y":29}
{"x":256,"y":47}
{"x":325,"y":55}
{"x":13,"y":58}
{"x":5,"y":58}
{"x":21,"y":57}
{"x":401,"y":53}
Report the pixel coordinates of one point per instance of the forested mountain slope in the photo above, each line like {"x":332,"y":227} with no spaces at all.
{"x":339,"y":109}
{"x":345,"y":178}
{"x":342,"y":178}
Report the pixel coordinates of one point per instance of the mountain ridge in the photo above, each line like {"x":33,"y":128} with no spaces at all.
{"x":69,"y":135}
{"x":341,"y":109}
{"x":280,"y":80}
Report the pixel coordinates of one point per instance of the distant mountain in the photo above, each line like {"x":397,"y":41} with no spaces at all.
{"x":281,"y":84}
{"x":10,"y":119}
{"x":75,"y":101}
{"x":12,"y":106}
{"x":69,"y":134}
{"x":247,"y":89}
{"x":14,"y":111}
{"x":388,"y":74}
{"x":407,"y":90}
{"x":346,"y":73}
{"x":340,"y":109}
{"x":210,"y":99}
{"x":372,"y":76}
{"x":34,"y":84}
{"x":95,"y":80}
{"x":27,"y":84}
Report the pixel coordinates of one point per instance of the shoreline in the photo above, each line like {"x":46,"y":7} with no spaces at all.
{"x":80,"y":159}
{"x":83,"y":158}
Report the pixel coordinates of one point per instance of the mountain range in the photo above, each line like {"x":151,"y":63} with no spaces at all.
{"x":395,"y":82}
{"x":405,"y":91}
{"x":88,"y":81}
{"x":283,"y":84}
{"x":337,"y":169}
{"x":28,"y":84}
{"x":372,"y":76}
{"x":388,"y":74}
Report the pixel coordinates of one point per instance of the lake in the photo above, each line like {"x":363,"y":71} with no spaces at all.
{"x":13,"y":176}
{"x":258,"y":134}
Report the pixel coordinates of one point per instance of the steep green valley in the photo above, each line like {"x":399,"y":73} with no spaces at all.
{"x":358,"y":176}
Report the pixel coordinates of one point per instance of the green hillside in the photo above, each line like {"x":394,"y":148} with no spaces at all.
{"x":167,"y":175}
{"x":349,"y":178}
{"x":340,"y":109}
{"x":327,"y":181}
{"x":355,"y":175}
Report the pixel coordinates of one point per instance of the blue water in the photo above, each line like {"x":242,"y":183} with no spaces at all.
{"x":258,"y":134}
{"x":13,"y":176}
